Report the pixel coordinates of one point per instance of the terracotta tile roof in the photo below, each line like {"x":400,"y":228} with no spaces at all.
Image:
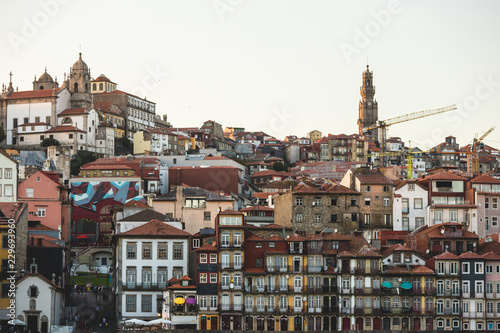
{"x":470,"y":255}
{"x":73,"y":111}
{"x":373,"y":177}
{"x":255,"y":270}
{"x":485,"y":179}
{"x":330,"y":270}
{"x":230,"y":212}
{"x":103,"y":106}
{"x":11,"y":210}
{"x":65,"y":128}
{"x":335,"y":236}
{"x":395,"y":247}
{"x":102,"y":78}
{"x":368,"y":252}
{"x":145,"y":215}
{"x":446,"y":256}
{"x":32,"y":94}
{"x":275,"y":238}
{"x":271,"y":173}
{"x":179,"y":286}
{"x":274,"y":226}
{"x":193,"y":191}
{"x":156,"y":228}
{"x":295,"y":238}
{"x":491,"y":256}
{"x":119,"y":92}
{"x":186,"y":278}
{"x":445,"y":176}
{"x":254,"y":238}
{"x":347,"y":254}
{"x":173,"y":280}
{"x":45,"y":242}
{"x":357,"y":242}
{"x":206,"y":247}
{"x":421,"y":270}
{"x":313,"y":237}
{"x":41,"y":227}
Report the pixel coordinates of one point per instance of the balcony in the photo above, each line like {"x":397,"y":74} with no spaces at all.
{"x":345,"y":310}
{"x":345,"y":270}
{"x":360,"y":271}
{"x":376,"y":311}
{"x":227,"y":245}
{"x":407,"y":310}
{"x":296,"y":251}
{"x":374,"y":270}
{"x":330,"y":289}
{"x":358,"y":311}
{"x":491,"y":315}
{"x":430,"y":290}
{"x":296,"y":269}
{"x":144,"y":286}
{"x":284,"y":269}
{"x":283,"y":309}
{"x":416,"y":311}
{"x":298,"y":289}
{"x":314,"y":269}
{"x":314,"y":289}
{"x":230,"y":265}
{"x":376,"y":291}
{"x":297,"y":309}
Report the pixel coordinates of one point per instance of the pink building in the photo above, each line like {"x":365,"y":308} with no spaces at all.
{"x":48,"y":201}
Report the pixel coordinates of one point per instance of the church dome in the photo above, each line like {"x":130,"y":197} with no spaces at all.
{"x":102,"y":78}
{"x":45,"y":77}
{"x":80,"y":65}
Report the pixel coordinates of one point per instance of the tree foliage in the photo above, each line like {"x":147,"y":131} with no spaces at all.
{"x":82,"y":157}
{"x":47,"y":142}
{"x":278,"y":166}
{"x":2,"y":134}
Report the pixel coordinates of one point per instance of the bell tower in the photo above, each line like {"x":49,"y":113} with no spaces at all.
{"x":368,"y":107}
{"x":79,"y":84}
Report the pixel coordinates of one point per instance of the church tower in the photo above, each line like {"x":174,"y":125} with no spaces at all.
{"x":368,"y":107}
{"x":79,"y":84}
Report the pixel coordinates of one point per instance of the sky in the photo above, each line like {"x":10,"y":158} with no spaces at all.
{"x":283,"y":66}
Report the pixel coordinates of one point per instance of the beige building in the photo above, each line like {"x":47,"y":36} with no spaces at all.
{"x":8,"y":178}
{"x":314,"y":135}
{"x":155,"y":142}
{"x":195,"y":206}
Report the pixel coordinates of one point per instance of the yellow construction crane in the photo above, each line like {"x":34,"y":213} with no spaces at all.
{"x":382,"y":125}
{"x":473,"y":152}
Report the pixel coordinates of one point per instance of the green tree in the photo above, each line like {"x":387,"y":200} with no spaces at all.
{"x":82,"y":157}
{"x":124,"y":146}
{"x":278,"y":166}
{"x":2,"y":134}
{"x":47,"y":142}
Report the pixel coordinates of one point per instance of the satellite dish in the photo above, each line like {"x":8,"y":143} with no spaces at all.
{"x":474,"y":244}
{"x":287,"y":276}
{"x":336,"y":269}
{"x":427,"y":251}
{"x":335,"y":230}
{"x":231,"y":285}
{"x":304,"y":298}
{"x":442,"y":231}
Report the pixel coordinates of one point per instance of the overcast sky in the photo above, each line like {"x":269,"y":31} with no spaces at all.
{"x":284,"y":66}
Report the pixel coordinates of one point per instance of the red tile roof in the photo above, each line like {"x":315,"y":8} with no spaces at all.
{"x":73,"y":111}
{"x":397,"y":270}
{"x":173,"y":280}
{"x":32,"y":94}
{"x":485,"y":179}
{"x":373,"y":177}
{"x":155,"y":228}
{"x":445,"y":176}
{"x":179,"y":286}
{"x":295,"y":238}
{"x":105,"y":167}
{"x":254,"y":238}
{"x":186,"y":278}
{"x":230,"y":212}
{"x":446,"y":256}
{"x":470,"y":255}
{"x":491,"y":256}
{"x":395,"y":247}
{"x":104,"y":105}
{"x":65,"y":128}
{"x":335,"y":236}
{"x":422,"y":270}
{"x":137,"y":204}
{"x":206,"y":247}
{"x":275,"y":238}
{"x":257,"y":208}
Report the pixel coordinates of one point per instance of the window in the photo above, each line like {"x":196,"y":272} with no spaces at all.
{"x":440,"y":307}
{"x":70,"y":136}
{"x":146,"y":303}
{"x":465,"y":268}
{"x":203,"y":278}
{"x":40,"y":212}
{"x":203,"y":302}
{"x":26,"y":120}
{"x":335,"y":245}
{"x":479,"y":307}
{"x":177,"y":273}
{"x":479,"y":267}
{"x":367,"y":201}
{"x":465,"y":287}
{"x":213,"y":277}
{"x":367,"y":218}
{"x":177,"y":251}
{"x":367,"y":188}
{"x":213,"y":258}
{"x":131,"y":251}
{"x":387,"y":219}
{"x":146,"y":251}
{"x":494,"y":221}
{"x":386,"y":188}
{"x":387,"y":201}
{"x":8,"y":173}
{"x":15,"y":123}
{"x":418,"y":203}
{"x":317,"y":217}
{"x":317,"y":201}
{"x":131,"y":303}
{"x":494,"y":203}
{"x":299,"y":201}
{"x":162,"y":251}
{"x":237,"y":239}
{"x":29,"y":192}
{"x":479,"y":287}
{"x":203,"y":258}
{"x":489,"y":268}
{"x":213,"y":302}
{"x":419,"y":221}
{"x":299,"y":217}
{"x":333,"y":202}
{"x":207,"y":216}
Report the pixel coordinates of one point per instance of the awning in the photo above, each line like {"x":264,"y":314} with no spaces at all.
{"x":387,"y":284}
{"x":179,"y":300}
{"x":406,"y":285}
{"x":184,"y":320}
{"x":190,"y":300}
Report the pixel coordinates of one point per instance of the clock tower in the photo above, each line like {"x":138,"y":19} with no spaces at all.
{"x":368,"y":107}
{"x":79,"y":84}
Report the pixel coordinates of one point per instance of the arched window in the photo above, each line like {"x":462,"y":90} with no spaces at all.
{"x":86,"y":87}
{"x":94,"y":86}
{"x":67,"y":121}
{"x":101,"y":86}
{"x":75,"y":87}
{"x":41,"y":87}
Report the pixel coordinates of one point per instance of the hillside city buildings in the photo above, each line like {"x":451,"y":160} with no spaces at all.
{"x":213,"y":228}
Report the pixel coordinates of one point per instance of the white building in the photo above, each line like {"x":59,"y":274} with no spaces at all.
{"x":39,"y":302}
{"x":8,"y":178}
{"x":105,"y":141}
{"x":409,"y":207}
{"x":146,"y":258}
{"x":83,"y":119}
